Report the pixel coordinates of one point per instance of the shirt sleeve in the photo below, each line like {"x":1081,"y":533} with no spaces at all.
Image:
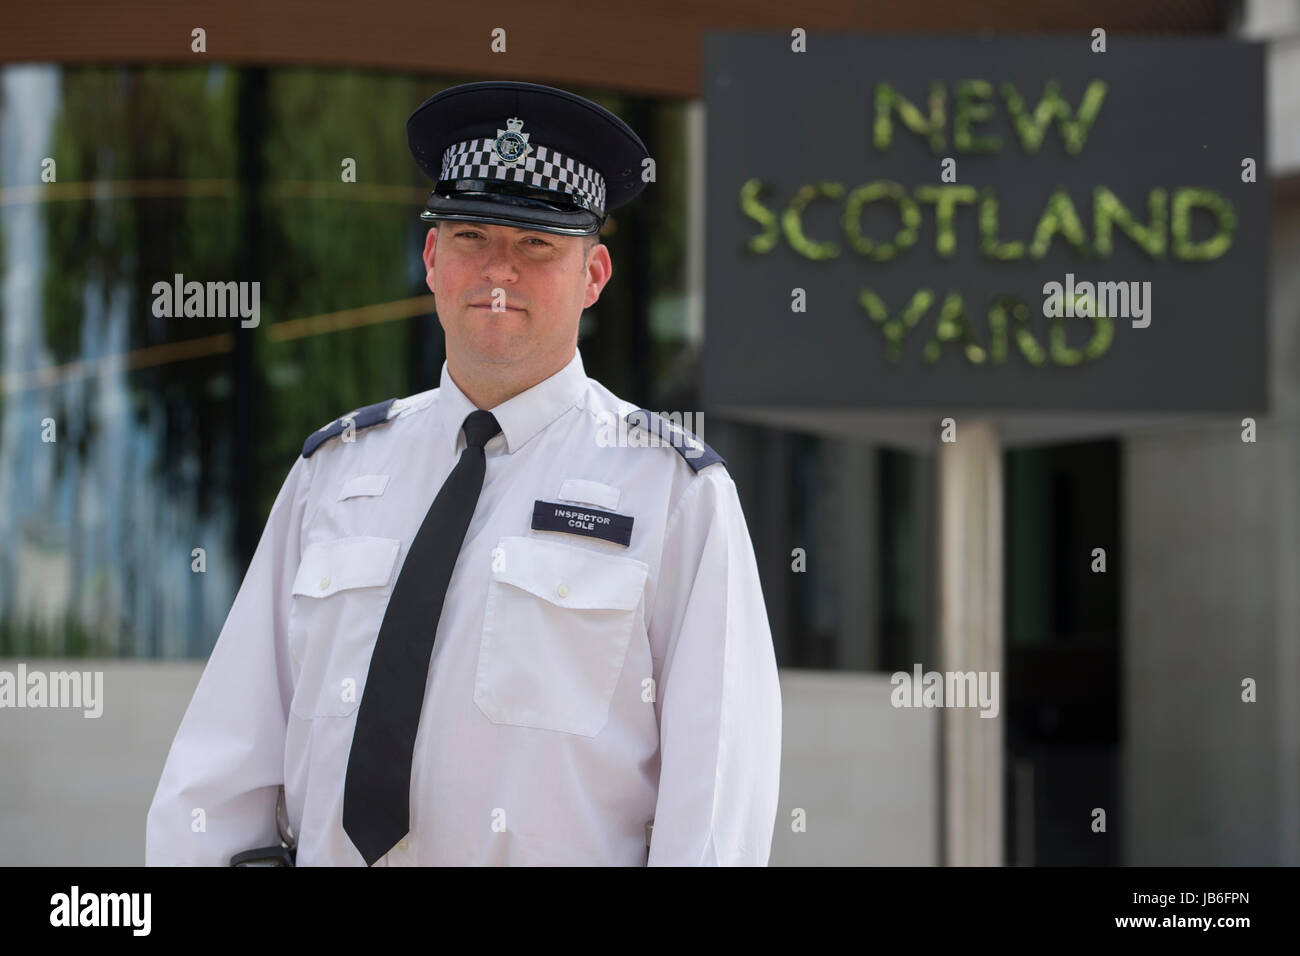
{"x":717,"y":696}
{"x":227,"y":759}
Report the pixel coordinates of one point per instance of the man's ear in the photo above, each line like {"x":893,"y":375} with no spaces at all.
{"x":599,"y":270}
{"x":430,"y":242}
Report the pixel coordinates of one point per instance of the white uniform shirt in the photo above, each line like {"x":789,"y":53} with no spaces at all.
{"x":578,"y":691}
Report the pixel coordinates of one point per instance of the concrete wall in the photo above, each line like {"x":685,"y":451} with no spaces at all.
{"x":865,"y":773}
{"x":1212,"y":571}
{"x":1277,"y":22}
{"x":75,"y":790}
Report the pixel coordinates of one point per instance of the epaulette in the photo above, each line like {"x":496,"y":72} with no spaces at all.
{"x":697,"y":454}
{"x":362,"y":418}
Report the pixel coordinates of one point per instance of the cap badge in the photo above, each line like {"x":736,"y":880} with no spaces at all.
{"x":511,"y":145}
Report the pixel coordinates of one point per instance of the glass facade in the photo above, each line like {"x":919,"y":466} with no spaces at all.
{"x":1062,"y":682}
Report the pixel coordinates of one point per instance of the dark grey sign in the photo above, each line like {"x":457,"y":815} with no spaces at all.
{"x":1014,"y":223}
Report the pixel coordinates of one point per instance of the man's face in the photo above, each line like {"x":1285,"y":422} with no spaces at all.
{"x":541,"y":280}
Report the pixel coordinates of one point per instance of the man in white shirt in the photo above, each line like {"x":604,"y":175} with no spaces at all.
{"x":598,"y":685}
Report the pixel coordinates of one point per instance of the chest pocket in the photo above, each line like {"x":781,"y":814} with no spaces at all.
{"x":555,"y":634}
{"x":339,"y":596}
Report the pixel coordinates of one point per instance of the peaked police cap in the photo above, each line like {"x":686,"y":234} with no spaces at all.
{"x":524,"y":155}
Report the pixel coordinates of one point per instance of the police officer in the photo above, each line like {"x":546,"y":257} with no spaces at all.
{"x":510,"y":620}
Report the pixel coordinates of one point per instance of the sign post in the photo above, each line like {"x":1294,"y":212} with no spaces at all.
{"x":970,"y":638}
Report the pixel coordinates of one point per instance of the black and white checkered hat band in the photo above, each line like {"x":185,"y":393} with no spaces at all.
{"x":542,"y":168}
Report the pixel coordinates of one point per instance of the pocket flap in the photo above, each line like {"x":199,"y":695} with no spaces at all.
{"x":570,"y":577}
{"x":367,"y":485}
{"x":330,"y":566}
{"x":589,"y":493}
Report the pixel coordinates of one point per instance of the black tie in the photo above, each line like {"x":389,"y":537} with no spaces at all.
{"x":377,"y":790}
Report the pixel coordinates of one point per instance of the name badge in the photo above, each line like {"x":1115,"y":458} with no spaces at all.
{"x":591,"y":522}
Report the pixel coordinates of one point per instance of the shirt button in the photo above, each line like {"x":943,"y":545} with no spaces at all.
{"x":324,"y":583}
{"x":402,"y":843}
{"x":562,"y":590}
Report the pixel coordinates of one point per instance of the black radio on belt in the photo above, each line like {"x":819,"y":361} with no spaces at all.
{"x":285,"y":854}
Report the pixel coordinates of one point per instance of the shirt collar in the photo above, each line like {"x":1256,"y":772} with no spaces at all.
{"x":520,"y":417}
